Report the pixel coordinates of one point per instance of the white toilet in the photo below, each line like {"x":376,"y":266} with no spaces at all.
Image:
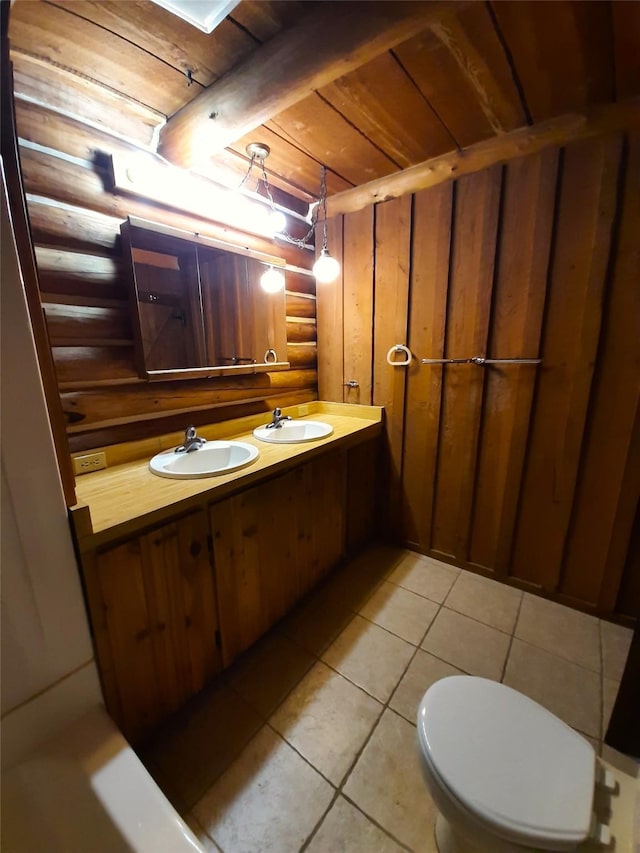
{"x":505,"y":774}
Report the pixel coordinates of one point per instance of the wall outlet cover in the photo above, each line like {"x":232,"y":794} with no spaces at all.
{"x":89,"y":462}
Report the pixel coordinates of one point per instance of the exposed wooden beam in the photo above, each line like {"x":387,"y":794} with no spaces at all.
{"x":518,"y":143}
{"x":329,"y":42}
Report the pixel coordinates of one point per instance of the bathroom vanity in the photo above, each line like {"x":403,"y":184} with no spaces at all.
{"x":181,"y":576}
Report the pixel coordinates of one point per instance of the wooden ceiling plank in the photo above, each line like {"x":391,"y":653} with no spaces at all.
{"x":471,"y":40}
{"x":561,"y":51}
{"x":382,"y":101}
{"x":317,"y":128}
{"x":527,"y":140}
{"x":290,"y":66}
{"x":289,"y":162}
{"x":166,"y":36}
{"x":626,"y":33}
{"x":52,"y":33}
{"x":437,"y":75}
{"x":263,"y":19}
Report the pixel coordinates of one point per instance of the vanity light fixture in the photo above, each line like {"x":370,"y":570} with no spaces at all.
{"x":326,"y":269}
{"x":258,"y":153}
{"x":272,"y":280}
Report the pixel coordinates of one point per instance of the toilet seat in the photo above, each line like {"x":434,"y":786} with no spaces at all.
{"x":515,"y":767}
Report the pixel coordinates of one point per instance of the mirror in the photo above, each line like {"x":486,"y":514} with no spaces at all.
{"x":199,"y":307}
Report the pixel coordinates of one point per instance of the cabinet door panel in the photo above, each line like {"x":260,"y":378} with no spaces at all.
{"x":272,"y":543}
{"x":120,"y":580}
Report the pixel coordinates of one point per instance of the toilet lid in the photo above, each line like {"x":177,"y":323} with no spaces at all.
{"x":507,"y":760}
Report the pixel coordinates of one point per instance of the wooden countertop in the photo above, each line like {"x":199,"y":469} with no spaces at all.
{"x":126,"y":497}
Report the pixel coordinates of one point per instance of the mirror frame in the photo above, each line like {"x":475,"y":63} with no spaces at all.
{"x":275,"y":305}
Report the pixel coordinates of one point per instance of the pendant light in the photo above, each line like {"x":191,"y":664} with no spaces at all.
{"x":326,"y":268}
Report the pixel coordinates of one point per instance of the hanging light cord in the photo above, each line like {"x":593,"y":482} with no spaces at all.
{"x":300,"y":242}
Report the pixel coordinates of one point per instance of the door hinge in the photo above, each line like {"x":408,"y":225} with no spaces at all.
{"x":218,"y":639}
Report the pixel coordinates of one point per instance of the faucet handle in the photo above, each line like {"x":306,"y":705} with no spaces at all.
{"x":277,"y":412}
{"x":190,"y":433}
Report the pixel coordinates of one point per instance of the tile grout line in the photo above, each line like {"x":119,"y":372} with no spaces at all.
{"x":513,"y":634}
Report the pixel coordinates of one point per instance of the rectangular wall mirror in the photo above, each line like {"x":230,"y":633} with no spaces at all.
{"x":198,"y":306}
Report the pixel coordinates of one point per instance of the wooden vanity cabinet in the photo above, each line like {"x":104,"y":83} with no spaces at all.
{"x":174,"y":603}
{"x":154,"y":616}
{"x":272,"y":543}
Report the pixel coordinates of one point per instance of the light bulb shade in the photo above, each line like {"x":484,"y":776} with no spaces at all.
{"x":272,"y":280}
{"x":326,"y":269}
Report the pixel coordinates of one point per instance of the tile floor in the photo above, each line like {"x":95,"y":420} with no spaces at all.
{"x":308,"y":741}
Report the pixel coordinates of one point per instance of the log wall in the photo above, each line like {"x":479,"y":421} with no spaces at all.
{"x":67,"y":127}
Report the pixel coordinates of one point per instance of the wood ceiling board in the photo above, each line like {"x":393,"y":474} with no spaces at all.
{"x":166,"y":36}
{"x":316,"y":128}
{"x":438,"y":76}
{"x":37,"y":80}
{"x":561,"y":52}
{"x":471,"y":39}
{"x":386,"y":106}
{"x":559,"y":131}
{"x":291,"y":163}
{"x":54,"y":34}
{"x":264,"y":19}
{"x":327,"y":43}
{"x":626,"y":35}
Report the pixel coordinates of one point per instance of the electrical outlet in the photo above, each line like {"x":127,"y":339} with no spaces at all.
{"x":89,"y":462}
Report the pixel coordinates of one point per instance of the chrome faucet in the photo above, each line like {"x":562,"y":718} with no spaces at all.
{"x":191,"y":441}
{"x":278,"y":418}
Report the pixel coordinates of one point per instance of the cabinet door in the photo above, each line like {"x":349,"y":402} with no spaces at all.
{"x":274,"y":542}
{"x":154,"y":616}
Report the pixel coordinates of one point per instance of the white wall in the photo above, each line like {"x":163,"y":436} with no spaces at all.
{"x":47,"y":669}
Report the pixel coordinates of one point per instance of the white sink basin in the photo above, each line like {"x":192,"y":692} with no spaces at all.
{"x":291,"y":432}
{"x":214,"y":457}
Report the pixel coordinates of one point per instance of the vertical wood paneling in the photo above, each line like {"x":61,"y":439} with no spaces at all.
{"x":393,"y":224}
{"x":613,"y":406}
{"x":431,"y":238}
{"x":358,"y":304}
{"x":469,"y":304}
{"x":330,"y":320}
{"x":572,"y":325}
{"x":120,"y":577}
{"x":516,"y":322}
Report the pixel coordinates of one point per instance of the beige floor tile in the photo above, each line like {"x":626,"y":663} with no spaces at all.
{"x":400,"y":611}
{"x":424,"y":670}
{"x":560,"y":630}
{"x":327,"y":719}
{"x":200,"y":834}
{"x":471,"y":646}
{"x":361,"y":576}
{"x":609,"y":694}
{"x":387,"y":784}
{"x":346,"y":830}
{"x":317,"y":621}
{"x":486,"y":600}
{"x":267,"y":674}
{"x":200,"y":742}
{"x":616,"y":640}
{"x":425,"y":576}
{"x":270,"y":799}
{"x":369,"y":656}
{"x":569,"y":691}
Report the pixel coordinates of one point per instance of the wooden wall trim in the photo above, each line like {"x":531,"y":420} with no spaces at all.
{"x":500,"y":149}
{"x":27,"y":261}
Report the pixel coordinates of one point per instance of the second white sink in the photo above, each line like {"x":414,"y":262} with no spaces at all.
{"x":291,"y":432}
{"x":214,"y":457}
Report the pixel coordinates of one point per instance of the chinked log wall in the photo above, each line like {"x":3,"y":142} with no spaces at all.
{"x":526,"y":473}
{"x":75,"y":223}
